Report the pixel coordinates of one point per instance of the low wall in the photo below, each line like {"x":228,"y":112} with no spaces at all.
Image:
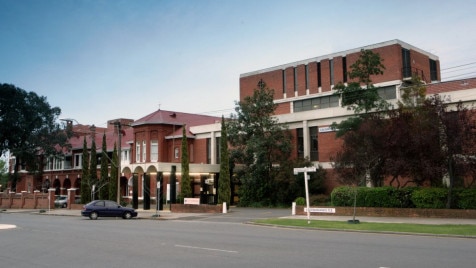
{"x":396,"y":212}
{"x":26,"y":200}
{"x":181,"y":208}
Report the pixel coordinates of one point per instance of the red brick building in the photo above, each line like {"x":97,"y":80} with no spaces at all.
{"x":303,"y":92}
{"x":151,"y":145}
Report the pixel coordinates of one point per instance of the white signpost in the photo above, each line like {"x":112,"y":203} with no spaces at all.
{"x":306,"y":178}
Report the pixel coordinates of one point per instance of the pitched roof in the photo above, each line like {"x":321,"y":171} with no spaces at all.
{"x":175,"y":118}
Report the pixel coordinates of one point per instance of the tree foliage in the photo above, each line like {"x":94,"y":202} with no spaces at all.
{"x":28,"y":126}
{"x":85,"y":176}
{"x":361,"y":159}
{"x":258,"y":142}
{"x":93,"y":167}
{"x":3,"y":174}
{"x":224,"y":190}
{"x":425,"y":140}
{"x":186,"y":185}
{"x":104,"y":191}
{"x":114,"y":175}
{"x":360,"y":94}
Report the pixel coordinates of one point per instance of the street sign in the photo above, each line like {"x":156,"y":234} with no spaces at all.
{"x":304,"y":169}
{"x":321,"y":210}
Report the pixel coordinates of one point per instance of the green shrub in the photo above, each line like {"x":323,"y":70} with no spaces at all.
{"x":430,"y":197}
{"x":300,"y":201}
{"x":465,"y":198}
{"x":342,"y":196}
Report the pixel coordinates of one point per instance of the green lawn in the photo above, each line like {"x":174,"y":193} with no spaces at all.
{"x":445,"y":229}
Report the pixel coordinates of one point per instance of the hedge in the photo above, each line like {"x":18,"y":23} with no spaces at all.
{"x":409,"y":197}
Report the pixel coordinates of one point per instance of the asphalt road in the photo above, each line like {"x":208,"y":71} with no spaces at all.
{"x":53,"y":241}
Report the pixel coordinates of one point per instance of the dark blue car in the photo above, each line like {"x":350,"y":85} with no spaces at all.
{"x":106,"y":208}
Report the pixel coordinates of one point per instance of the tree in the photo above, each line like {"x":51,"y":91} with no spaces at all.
{"x":3,"y":175}
{"x":93,"y":168}
{"x":361,"y":95}
{"x":104,"y":191}
{"x":114,"y":175}
{"x":258,"y":142}
{"x":186,"y":186}
{"x":85,"y":177}
{"x":361,"y":159}
{"x":28,"y":127}
{"x":224,"y":190}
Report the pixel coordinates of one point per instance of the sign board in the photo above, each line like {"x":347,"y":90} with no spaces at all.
{"x":304,"y":169}
{"x":191,"y":201}
{"x":325,"y":129}
{"x":321,"y":210}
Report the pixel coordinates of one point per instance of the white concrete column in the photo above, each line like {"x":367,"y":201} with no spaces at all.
{"x":306,"y":140}
{"x":213,"y":157}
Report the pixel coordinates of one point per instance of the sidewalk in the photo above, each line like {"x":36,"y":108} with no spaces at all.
{"x":168,"y":215}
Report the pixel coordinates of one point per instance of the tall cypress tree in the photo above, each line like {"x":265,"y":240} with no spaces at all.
{"x":85,"y":186}
{"x":114,"y":175}
{"x":185,"y":185}
{"x":224,"y":190}
{"x":104,"y":192}
{"x":93,"y":173}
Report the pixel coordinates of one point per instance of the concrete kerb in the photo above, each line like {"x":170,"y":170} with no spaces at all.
{"x":168,"y":215}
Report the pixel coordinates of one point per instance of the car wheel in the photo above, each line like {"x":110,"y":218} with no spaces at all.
{"x":93,"y":215}
{"x":64,"y":206}
{"x":127,"y":215}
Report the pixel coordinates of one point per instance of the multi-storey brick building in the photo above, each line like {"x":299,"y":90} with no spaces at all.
{"x":303,"y":91}
{"x":150,"y":146}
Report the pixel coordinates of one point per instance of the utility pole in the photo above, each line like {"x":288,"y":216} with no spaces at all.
{"x":119,"y":152}
{"x":118,"y":125}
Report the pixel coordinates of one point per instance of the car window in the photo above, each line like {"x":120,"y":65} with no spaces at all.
{"x":99,"y":204}
{"x":111,"y":204}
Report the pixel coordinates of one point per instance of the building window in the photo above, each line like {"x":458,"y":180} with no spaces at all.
{"x":300,"y":142}
{"x":319,"y":82}
{"x":306,"y":72}
{"x":137,"y":152}
{"x":78,"y":158}
{"x":284,"y":81}
{"x":314,"y":144}
{"x":407,"y":67}
{"x":125,"y":156}
{"x":344,"y":68}
{"x":176,"y":152}
{"x":387,"y":93}
{"x":190,"y":155}
{"x":154,"y":150}
{"x":433,"y":70}
{"x":144,"y":151}
{"x":316,"y":103}
{"x":58,"y":163}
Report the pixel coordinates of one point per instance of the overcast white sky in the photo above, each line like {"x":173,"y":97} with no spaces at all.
{"x":105,"y":59}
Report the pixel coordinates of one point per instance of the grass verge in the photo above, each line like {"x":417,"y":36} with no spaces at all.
{"x":443,"y":229}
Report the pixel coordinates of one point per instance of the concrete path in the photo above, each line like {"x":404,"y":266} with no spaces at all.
{"x":167,"y":215}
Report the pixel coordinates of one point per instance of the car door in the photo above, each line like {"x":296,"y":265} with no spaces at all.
{"x":113,"y":209}
{"x":100,"y":208}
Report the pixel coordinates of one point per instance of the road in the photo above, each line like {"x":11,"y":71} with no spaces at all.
{"x":54,"y":241}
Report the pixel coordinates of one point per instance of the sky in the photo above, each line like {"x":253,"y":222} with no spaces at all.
{"x":107,"y":59}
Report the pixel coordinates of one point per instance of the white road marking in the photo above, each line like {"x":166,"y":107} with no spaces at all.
{"x":210,"y":249}
{"x":7,"y":226}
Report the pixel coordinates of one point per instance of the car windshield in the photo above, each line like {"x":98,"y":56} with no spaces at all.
{"x":61,"y":198}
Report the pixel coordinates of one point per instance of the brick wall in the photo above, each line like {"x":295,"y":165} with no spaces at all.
{"x":397,"y":212}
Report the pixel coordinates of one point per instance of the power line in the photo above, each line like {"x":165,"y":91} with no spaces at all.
{"x":471,"y":63}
